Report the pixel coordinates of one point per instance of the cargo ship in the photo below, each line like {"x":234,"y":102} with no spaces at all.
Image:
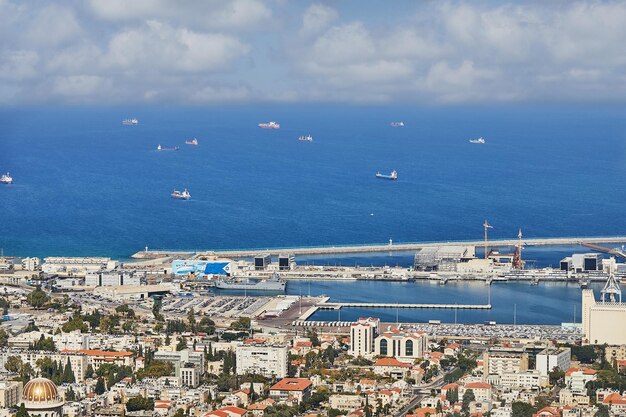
{"x":392,"y":176}
{"x":397,"y":124}
{"x":193,"y":141}
{"x":480,"y":141}
{"x":184,"y":195}
{"x":164,"y":148}
{"x":274,"y":283}
{"x":307,"y":138}
{"x":130,"y":122}
{"x":269,"y":125}
{"x":6,"y":179}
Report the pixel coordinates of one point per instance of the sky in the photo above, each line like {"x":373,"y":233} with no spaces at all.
{"x":277,"y":51}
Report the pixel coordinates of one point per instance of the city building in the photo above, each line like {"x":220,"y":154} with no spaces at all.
{"x":291,"y":389}
{"x":576,"y":379}
{"x":404,"y":344}
{"x":76,"y":266}
{"x":443,"y":258}
{"x":110,"y":278}
{"x":391,"y":367}
{"x":286,"y":262}
{"x":261,"y":262}
{"x":346,"y":402}
{"x":10,"y":394}
{"x":582,"y":262}
{"x":551,"y":358}
{"x":499,"y":360}
{"x":362,"y":334}
{"x":602,"y":319}
{"x":40,"y":397}
{"x":190,"y":375}
{"x":263,"y":359}
{"x":180,"y":358}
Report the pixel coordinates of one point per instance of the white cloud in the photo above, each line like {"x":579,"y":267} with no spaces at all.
{"x":80,"y":85}
{"x":18,"y":65}
{"x":238,"y":14}
{"x":316,"y":18}
{"x":158,"y":47}
{"x":52,"y":25}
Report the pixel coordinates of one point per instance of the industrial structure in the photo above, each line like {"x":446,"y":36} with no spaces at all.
{"x":603,"y":320}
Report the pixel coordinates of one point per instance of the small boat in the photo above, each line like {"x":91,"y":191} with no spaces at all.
{"x":307,"y":138}
{"x":392,"y":176}
{"x":184,"y":195}
{"x":396,"y":124}
{"x":269,"y":125}
{"x":193,"y":141}
{"x":130,"y":122}
{"x":480,"y":141}
{"x":6,"y":179}
{"x":164,"y":148}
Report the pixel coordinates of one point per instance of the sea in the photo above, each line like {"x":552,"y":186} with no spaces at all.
{"x":85,"y":185}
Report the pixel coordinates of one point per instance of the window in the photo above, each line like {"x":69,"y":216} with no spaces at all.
{"x":408,"y":348}
{"x":383,"y":347}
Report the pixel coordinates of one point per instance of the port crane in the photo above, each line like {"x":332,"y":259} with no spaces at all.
{"x":518,"y":263}
{"x":487,"y":226}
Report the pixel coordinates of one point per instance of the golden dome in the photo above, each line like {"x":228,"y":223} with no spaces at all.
{"x":40,"y":390}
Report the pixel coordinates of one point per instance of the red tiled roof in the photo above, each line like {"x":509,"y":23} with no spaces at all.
{"x":473,"y":385}
{"x":292,"y":384}
{"x":391,"y":362}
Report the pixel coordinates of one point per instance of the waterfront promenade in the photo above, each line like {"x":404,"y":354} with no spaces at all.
{"x":333,"y":250}
{"x":336,"y":306}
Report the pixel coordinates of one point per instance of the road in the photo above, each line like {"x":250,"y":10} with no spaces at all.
{"x":421,"y":392}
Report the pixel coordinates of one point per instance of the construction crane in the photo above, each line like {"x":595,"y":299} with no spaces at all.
{"x":486,"y":225}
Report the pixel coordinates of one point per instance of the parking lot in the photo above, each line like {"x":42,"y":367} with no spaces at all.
{"x":214,"y":305}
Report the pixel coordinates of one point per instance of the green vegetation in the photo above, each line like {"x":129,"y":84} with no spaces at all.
{"x":37,"y":298}
{"x":241,"y":324}
{"x":4,"y":305}
{"x":21,"y":412}
{"x":44,"y":343}
{"x":522,"y":409}
{"x":361,"y":361}
{"x":55,"y":371}
{"x":156,"y":369}
{"x":140,"y":403}
{"x":100,"y":387}
{"x":468,"y":397}
{"x":4,"y":338}
{"x":75,"y":323}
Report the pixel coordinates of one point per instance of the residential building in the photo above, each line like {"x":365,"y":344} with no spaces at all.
{"x":10,"y":394}
{"x":291,"y":389}
{"x":181,"y":358}
{"x":362,"y":334}
{"x":391,"y":367}
{"x":263,"y":359}
{"x":190,"y":375}
{"x":500,"y":360}
{"x":576,"y":379}
{"x":551,"y":358}
{"x":346,"y":402}
{"x":403,"y":344}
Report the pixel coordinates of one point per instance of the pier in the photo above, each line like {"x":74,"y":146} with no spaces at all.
{"x":337,"y":306}
{"x":388,"y":247}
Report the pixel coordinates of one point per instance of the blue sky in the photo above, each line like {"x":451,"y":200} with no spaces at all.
{"x":278,"y":51}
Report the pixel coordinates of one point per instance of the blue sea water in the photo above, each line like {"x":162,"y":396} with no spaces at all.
{"x":86,"y":185}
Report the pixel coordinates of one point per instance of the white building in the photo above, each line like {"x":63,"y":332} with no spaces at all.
{"x":499,"y":360}
{"x":111,"y":278}
{"x":551,"y":358}
{"x":576,"y":379}
{"x":30,"y":264}
{"x":259,"y":358}
{"x":362,"y":334}
{"x":181,"y":358}
{"x":190,"y":375}
{"x":76,"y":266}
{"x":404,"y":344}
{"x":10,"y":394}
{"x":602,"y":319}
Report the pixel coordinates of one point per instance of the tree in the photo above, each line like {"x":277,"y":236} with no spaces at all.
{"x":140,"y":403}
{"x":21,"y":412}
{"x":13,"y":364}
{"x":106,"y":324}
{"x":100,"y":388}
{"x":37,"y":298}
{"x":241,"y":324}
{"x":75,"y":323}
{"x":468,"y":397}
{"x":182,"y":344}
{"x":68,"y":374}
{"x":89,"y":371}
{"x":452,"y":395}
{"x":191,"y":318}
{"x":122,"y":309}
{"x":206,"y":325}
{"x":522,"y":409}
{"x":180,"y":412}
{"x":603,"y":411}
{"x":128,"y":326}
{"x":556,"y":374}
{"x":4,"y":338}
{"x":44,"y":343}
{"x":4,"y":305}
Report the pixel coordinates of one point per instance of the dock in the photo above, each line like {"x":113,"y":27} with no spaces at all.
{"x":337,"y":306}
{"x":395,"y":247}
